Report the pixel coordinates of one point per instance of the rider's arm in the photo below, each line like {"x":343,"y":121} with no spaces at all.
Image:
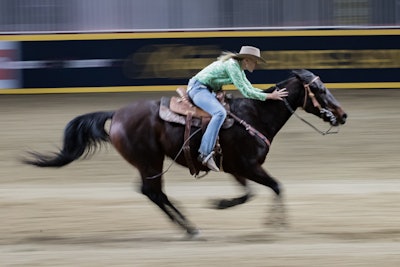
{"x":240,"y":80}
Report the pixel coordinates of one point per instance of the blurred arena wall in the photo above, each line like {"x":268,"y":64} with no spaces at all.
{"x":121,"y":45}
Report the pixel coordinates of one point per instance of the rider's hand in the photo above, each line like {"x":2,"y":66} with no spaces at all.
{"x":278,"y":94}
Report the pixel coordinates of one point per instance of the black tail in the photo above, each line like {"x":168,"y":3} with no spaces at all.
{"x":82,"y":136}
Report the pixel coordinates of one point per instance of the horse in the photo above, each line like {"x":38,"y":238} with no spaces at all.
{"x":143,"y":139}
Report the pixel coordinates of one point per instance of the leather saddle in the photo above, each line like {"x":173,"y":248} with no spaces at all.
{"x":179,"y":108}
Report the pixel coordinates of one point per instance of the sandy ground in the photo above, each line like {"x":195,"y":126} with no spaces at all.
{"x":342,"y":194}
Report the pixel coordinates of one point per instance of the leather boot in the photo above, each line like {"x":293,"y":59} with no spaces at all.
{"x":209,"y":161}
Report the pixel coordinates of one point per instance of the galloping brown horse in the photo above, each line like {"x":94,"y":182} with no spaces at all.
{"x":144,"y":139}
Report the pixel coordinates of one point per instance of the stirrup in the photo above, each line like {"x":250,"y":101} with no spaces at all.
{"x":204,"y":158}
{"x":209,"y":161}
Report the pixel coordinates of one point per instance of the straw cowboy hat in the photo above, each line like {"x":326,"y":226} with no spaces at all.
{"x":251,"y":52}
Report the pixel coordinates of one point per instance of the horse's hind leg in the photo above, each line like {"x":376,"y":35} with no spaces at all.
{"x":149,"y":162}
{"x":135,"y":132}
{"x":152,"y":189}
{"x":179,"y":218}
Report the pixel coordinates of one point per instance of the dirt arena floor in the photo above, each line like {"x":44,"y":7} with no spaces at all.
{"x":342,"y":194}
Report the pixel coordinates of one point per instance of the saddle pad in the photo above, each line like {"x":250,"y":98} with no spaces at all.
{"x":168,"y":115}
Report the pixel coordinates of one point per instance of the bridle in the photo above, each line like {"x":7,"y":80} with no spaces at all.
{"x":309,"y":94}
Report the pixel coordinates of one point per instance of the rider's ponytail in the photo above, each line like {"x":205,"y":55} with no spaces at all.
{"x":227,"y":55}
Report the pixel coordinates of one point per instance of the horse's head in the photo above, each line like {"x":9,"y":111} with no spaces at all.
{"x":318,"y":99}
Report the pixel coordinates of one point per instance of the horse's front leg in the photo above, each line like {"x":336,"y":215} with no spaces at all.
{"x":277,"y":215}
{"x":231,"y":202}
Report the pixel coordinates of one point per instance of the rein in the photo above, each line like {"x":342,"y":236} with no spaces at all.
{"x":252,"y":131}
{"x":310,"y":94}
{"x":177,"y":155}
{"x":309,"y":123}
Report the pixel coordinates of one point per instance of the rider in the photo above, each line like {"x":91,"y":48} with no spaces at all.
{"x":227,"y":69}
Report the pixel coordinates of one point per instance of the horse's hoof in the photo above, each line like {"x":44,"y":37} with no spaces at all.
{"x":277,"y":224}
{"x":193,"y":234}
{"x":220,"y":204}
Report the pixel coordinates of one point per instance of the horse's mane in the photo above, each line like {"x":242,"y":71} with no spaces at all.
{"x":302,"y":74}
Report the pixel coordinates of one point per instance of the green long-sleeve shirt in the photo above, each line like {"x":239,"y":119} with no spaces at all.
{"x":221,"y":73}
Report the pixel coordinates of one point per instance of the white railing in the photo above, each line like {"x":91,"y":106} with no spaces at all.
{"x":38,"y":16}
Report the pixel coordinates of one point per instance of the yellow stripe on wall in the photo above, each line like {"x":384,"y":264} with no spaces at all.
{"x":196,"y":34}
{"x":169,"y":88}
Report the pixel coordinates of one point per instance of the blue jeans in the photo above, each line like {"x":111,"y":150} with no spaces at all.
{"x":203,"y":98}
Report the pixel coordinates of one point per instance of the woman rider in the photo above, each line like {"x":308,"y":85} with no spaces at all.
{"x":227,"y":69}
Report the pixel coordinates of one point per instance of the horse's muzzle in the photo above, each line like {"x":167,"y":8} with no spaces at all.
{"x":334,"y":117}
{"x":343,"y":118}
{"x":340,"y":116}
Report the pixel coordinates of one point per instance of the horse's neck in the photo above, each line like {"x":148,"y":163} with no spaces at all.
{"x":278,"y":112}
{"x":270,"y":116}
{"x":279,"y":116}
{"x":266,"y":117}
